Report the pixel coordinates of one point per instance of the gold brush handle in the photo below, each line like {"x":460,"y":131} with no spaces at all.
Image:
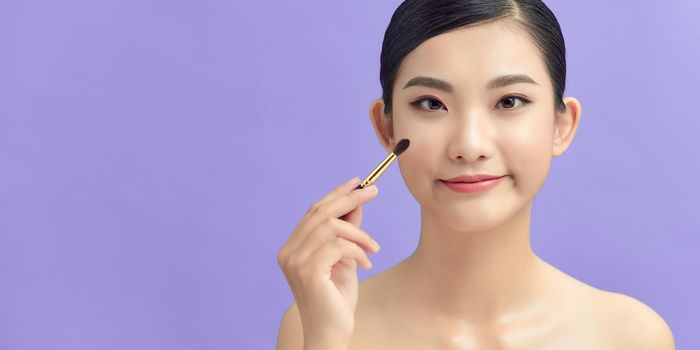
{"x":374,"y":175}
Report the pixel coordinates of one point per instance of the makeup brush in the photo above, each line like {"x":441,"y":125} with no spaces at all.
{"x":374,"y":175}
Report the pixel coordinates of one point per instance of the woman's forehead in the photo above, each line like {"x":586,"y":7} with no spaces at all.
{"x":475,"y":55}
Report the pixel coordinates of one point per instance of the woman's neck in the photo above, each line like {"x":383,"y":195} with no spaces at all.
{"x":479,"y":277}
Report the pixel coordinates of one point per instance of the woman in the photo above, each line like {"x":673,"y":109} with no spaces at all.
{"x":477,"y":87}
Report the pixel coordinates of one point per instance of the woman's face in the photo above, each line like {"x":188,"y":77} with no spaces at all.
{"x":475,"y":127}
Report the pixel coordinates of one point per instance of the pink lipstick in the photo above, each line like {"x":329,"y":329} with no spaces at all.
{"x":479,"y":183}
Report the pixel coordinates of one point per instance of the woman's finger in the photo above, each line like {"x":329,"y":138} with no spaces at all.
{"x":323,"y":259}
{"x":330,"y":230}
{"x":338,"y":191}
{"x":334,"y":208}
{"x":354,"y":217}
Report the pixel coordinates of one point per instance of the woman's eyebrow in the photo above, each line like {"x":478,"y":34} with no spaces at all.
{"x":495,"y":83}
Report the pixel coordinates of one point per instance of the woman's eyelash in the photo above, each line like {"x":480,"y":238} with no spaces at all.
{"x":523,"y":99}
{"x":418,"y":102}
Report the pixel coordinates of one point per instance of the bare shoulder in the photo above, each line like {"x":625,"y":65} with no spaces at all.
{"x":291,"y":334}
{"x":633,"y":324}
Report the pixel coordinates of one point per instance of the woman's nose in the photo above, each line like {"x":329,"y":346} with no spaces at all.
{"x":469,"y":139}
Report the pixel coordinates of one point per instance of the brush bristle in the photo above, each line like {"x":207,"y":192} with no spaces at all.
{"x":401,"y":146}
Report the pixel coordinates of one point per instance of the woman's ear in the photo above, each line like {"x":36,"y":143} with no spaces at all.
{"x":383,"y":124}
{"x":565,"y":126}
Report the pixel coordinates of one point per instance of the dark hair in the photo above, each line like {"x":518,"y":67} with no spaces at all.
{"x":416,"y":21}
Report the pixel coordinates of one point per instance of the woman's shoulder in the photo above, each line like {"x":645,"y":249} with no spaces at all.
{"x":623,"y":320}
{"x":631,"y":323}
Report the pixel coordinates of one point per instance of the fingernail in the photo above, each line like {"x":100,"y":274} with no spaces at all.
{"x":376,"y":244}
{"x":370,"y":189}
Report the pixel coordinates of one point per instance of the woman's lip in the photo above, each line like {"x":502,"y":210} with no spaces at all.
{"x":472,"y":178}
{"x":471,"y":187}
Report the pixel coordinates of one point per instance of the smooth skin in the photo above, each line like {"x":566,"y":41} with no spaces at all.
{"x":474,"y":282}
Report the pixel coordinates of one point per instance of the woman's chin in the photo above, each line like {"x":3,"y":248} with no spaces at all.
{"x":467,"y":221}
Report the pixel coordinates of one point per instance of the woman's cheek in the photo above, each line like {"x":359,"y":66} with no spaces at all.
{"x":412,"y":161}
{"x":530,"y":160}
{"x":416,"y":163}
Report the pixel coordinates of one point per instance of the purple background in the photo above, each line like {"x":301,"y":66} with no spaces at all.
{"x":155,"y":155}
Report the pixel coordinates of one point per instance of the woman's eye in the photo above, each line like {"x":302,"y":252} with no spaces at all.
{"x":431,"y":104}
{"x":509,"y":102}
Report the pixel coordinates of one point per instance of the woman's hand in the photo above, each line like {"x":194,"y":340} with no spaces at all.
{"x":319,"y":261}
